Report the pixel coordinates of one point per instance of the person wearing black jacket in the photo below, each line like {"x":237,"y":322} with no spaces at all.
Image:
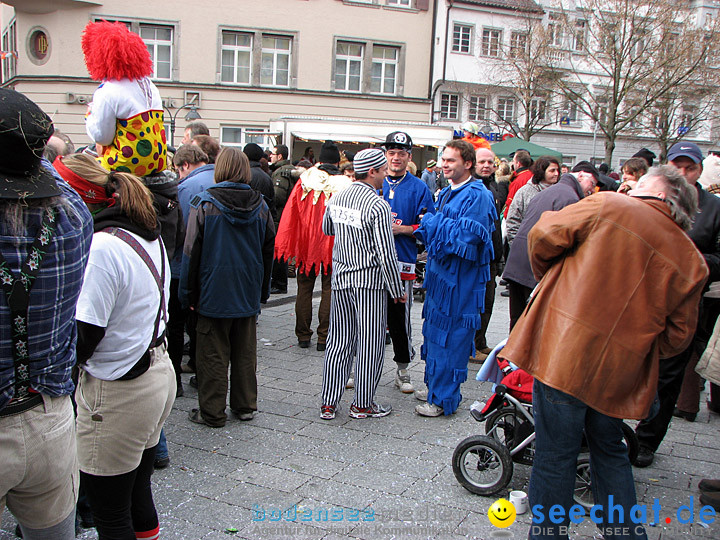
{"x":261,"y":181}
{"x":485,"y":170}
{"x":688,"y":158}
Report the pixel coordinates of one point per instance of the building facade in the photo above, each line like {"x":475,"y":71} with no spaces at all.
{"x":253,"y":71}
{"x":481,"y":75}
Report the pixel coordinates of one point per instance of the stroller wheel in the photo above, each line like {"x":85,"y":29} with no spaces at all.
{"x":583,"y":494}
{"x":482,"y":465}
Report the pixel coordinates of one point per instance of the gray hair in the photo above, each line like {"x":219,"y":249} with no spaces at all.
{"x":681,"y":197}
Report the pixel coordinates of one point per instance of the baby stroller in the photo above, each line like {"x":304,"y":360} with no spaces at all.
{"x":483,"y":464}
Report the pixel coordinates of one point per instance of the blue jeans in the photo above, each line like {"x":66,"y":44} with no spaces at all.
{"x":559,"y":423}
{"x":162,"y":449}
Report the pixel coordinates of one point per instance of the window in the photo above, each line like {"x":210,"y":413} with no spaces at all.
{"x":275,"y":61}
{"x":348,"y":66}
{"x":477,"y":108}
{"x":236,"y":57}
{"x":449,"y":106}
{"x":9,"y":54}
{"x":579,"y":35}
{"x":506,"y":109}
{"x":240,"y":136}
{"x":399,"y":3}
{"x":538,"y":109}
{"x":518,"y":44}
{"x":159,"y":42}
{"x":686,"y":121}
{"x":462,"y":34}
{"x":568,"y":113}
{"x":555,"y":30}
{"x":491,"y":42}
{"x":384,"y":68}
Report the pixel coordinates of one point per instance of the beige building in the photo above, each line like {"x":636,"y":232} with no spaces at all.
{"x":297,"y":70}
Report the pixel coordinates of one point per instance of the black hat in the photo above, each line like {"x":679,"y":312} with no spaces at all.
{"x":647,"y":155}
{"x":329,"y":153}
{"x":24,"y":132}
{"x":253,"y":152}
{"x":398,"y":139}
{"x":586,"y":166}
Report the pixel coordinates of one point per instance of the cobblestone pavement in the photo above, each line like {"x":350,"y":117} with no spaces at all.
{"x":259,"y":477}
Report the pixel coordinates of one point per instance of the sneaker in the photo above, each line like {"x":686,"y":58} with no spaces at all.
{"x":196,"y":417}
{"x":350,"y":383}
{"x":374,"y":411}
{"x":402,"y":381}
{"x":244,"y":416}
{"x":327,"y":412}
{"x":421,"y":395}
{"x":429,"y":409}
{"x":645,"y":457}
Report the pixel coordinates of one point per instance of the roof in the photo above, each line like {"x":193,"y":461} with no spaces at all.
{"x":513,"y":5}
{"x":512,"y":144}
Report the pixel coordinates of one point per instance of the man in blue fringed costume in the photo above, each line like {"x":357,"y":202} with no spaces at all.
{"x":459,"y":245}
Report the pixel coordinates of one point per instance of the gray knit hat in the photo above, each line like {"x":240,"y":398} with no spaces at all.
{"x":370,"y":158}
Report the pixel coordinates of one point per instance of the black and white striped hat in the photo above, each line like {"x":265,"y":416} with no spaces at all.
{"x":370,"y":158}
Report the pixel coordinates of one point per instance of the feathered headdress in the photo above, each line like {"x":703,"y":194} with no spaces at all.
{"x":112,"y":52}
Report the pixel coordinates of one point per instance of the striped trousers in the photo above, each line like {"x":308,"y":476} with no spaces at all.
{"x":357,"y":333}
{"x":398,"y":321}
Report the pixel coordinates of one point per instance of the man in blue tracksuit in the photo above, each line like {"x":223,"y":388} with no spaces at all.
{"x":409,"y":198}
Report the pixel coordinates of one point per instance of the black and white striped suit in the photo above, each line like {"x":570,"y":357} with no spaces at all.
{"x":364,"y":270}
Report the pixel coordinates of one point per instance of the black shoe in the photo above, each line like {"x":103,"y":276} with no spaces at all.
{"x":193,"y":381}
{"x":689,"y":416}
{"x":712,"y":407}
{"x":503,"y":283}
{"x":277,"y":290}
{"x":18,"y":532}
{"x":710,"y":499}
{"x":304,"y":344}
{"x":645,"y":457}
{"x":180,"y":392}
{"x":387,"y":338}
{"x":161,"y":463}
{"x":709,"y":486}
{"x":505,"y":293}
{"x":321,"y":347}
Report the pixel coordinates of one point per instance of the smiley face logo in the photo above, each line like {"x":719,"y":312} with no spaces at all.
{"x":502,"y":513}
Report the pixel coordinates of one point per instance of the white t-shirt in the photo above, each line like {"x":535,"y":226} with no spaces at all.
{"x":120,"y":294}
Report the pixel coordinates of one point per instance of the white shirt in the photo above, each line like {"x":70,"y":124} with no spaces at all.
{"x":120,"y":294}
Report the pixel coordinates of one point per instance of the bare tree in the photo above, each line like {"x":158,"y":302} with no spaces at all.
{"x":628,"y":56}
{"x":518,"y":83}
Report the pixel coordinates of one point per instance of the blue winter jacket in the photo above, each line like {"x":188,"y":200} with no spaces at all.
{"x":228,"y":252}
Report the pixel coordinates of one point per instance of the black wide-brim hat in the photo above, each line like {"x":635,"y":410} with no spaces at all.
{"x":24,"y":132}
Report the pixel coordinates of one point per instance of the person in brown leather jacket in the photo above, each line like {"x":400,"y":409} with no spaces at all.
{"x":595,"y":351}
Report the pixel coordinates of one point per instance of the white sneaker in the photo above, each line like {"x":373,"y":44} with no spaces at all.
{"x":421,"y":395}
{"x":350,"y":383}
{"x":429,"y":409}
{"x":402,"y":381}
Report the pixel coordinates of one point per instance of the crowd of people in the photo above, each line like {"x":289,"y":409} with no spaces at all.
{"x":109,"y":257}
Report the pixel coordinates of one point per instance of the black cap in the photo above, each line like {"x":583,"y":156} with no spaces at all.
{"x":398,"y":139}
{"x":329,"y":153}
{"x":586,"y":166}
{"x":647,"y":155}
{"x":24,"y":132}
{"x":253,"y":151}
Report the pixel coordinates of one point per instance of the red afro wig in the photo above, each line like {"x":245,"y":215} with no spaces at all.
{"x":112,"y":52}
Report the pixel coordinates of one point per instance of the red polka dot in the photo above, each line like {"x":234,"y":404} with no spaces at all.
{"x":131,"y":137}
{"x":136,"y":124}
{"x":668,"y":520}
{"x":163,"y":136}
{"x":140,"y":171}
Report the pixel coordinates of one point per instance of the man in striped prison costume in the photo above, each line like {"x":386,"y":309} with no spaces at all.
{"x":364,"y":271}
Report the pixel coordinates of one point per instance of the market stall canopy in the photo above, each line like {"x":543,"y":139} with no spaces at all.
{"x":358,"y":131}
{"x":511,"y":144}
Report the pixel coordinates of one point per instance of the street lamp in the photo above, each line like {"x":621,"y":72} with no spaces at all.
{"x":190,"y":116}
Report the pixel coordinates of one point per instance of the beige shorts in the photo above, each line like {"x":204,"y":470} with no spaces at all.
{"x":39,"y":477}
{"x":118,"y":420}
